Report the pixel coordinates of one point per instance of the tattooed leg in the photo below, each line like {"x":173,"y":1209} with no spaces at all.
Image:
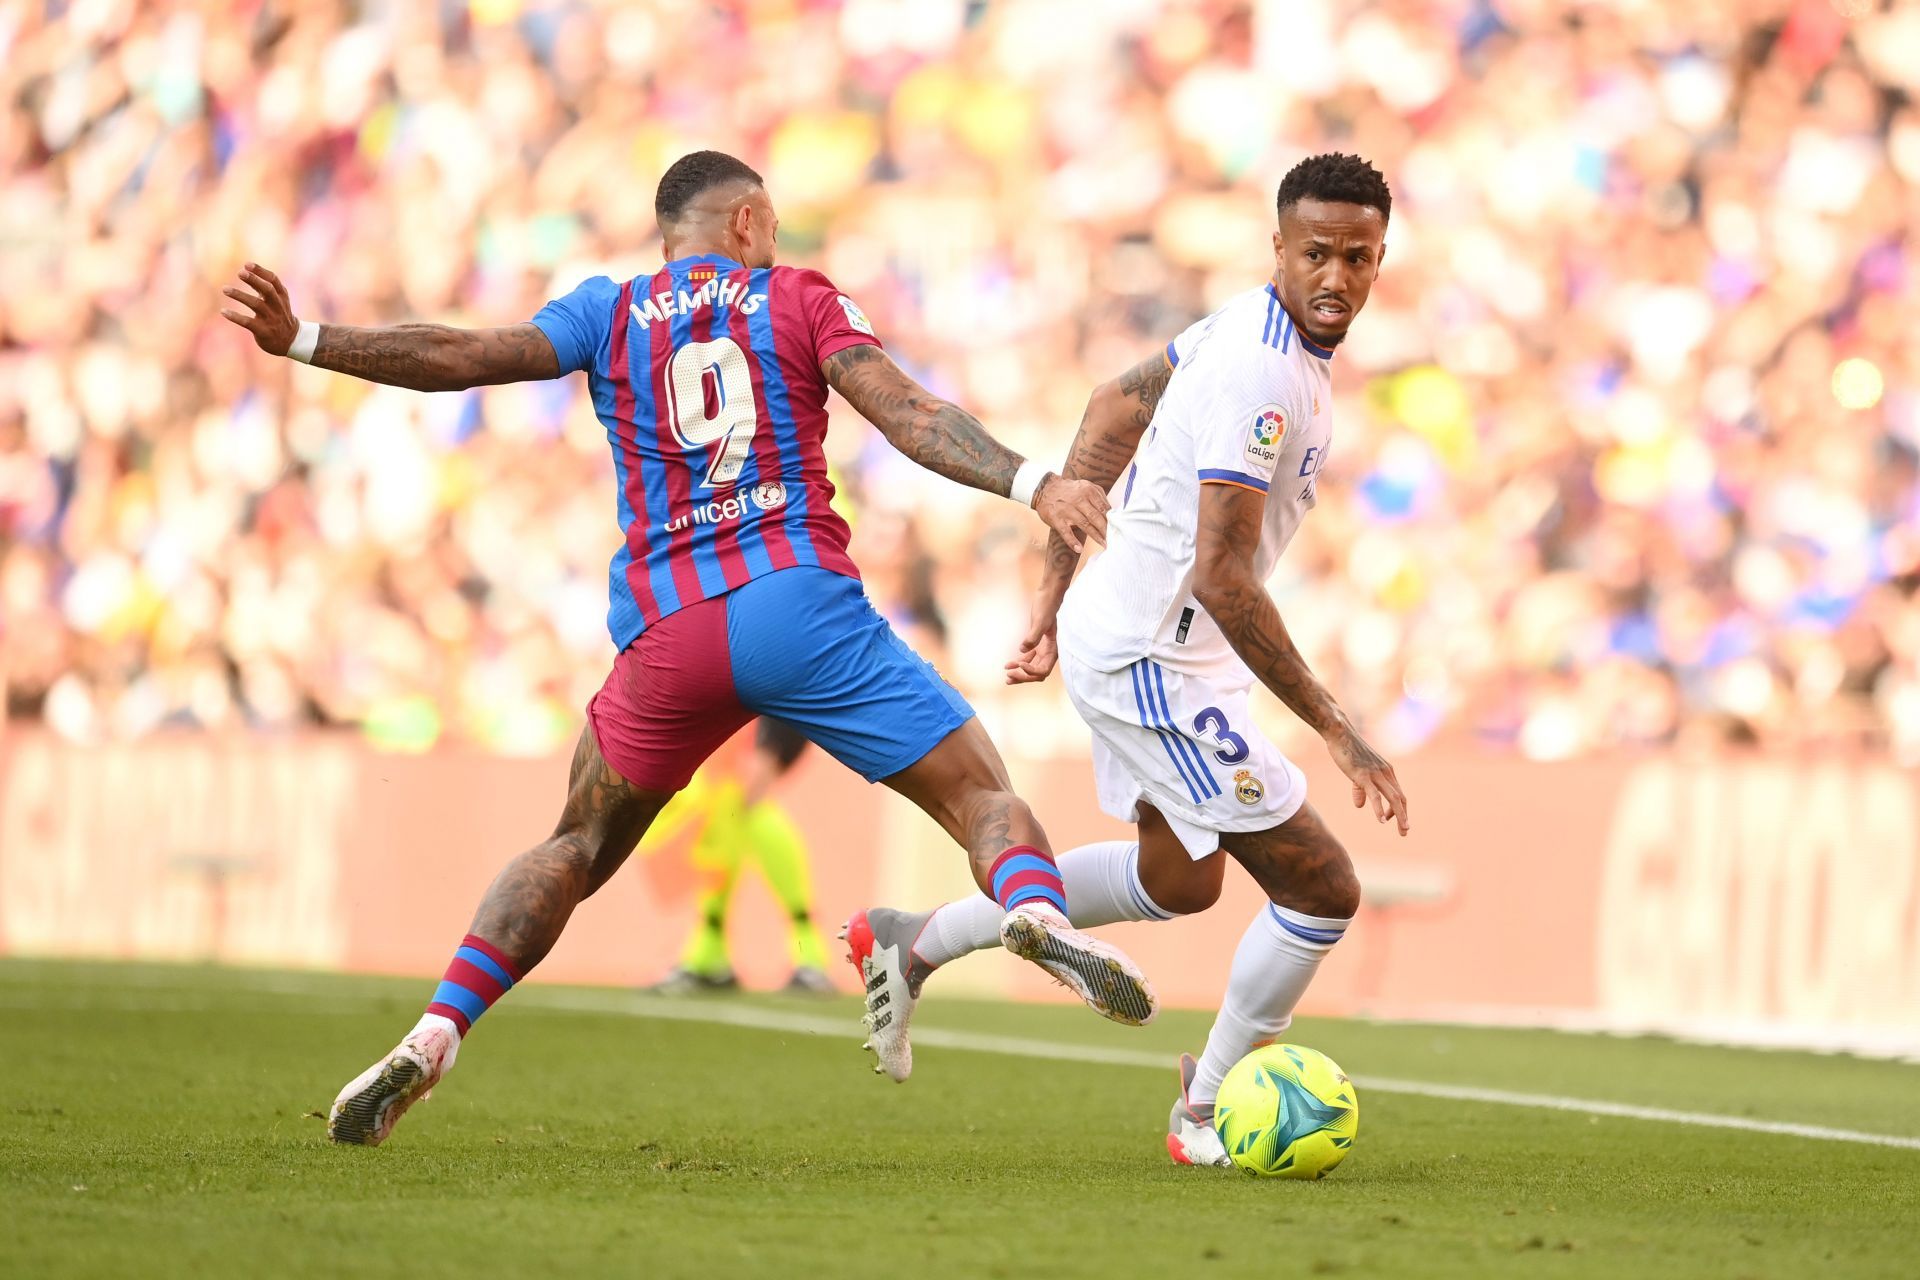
{"x":528,"y":903}
{"x":962,"y":785}
{"x":518,"y":922}
{"x":1300,"y":865}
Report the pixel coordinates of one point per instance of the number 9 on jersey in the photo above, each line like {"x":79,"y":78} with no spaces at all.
{"x":720,"y":412}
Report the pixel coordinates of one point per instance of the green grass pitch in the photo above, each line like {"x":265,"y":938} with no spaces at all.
{"x":161,"y":1121}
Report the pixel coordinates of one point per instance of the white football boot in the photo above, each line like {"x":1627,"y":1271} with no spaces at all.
{"x":367,"y":1109}
{"x":880,"y":945}
{"x":1098,"y":972}
{"x":1191,"y":1137}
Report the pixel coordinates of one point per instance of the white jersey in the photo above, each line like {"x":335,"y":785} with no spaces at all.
{"x":1249,"y":403}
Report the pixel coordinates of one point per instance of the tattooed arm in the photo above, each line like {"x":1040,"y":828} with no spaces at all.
{"x":436,"y":357}
{"x":1225,"y":586}
{"x":1117,"y":416}
{"x":947,"y":440}
{"x":422,"y":357}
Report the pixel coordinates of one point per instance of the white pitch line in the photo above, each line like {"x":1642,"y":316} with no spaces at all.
{"x":758,"y":1018}
{"x":1628,"y":1111}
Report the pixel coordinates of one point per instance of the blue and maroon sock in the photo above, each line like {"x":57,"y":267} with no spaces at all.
{"x":480,"y":974}
{"x":1026,"y":874}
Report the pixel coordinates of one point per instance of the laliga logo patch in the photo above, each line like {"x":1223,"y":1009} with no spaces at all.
{"x":769,"y":495}
{"x":1247,"y":789}
{"x":1263,"y":441}
{"x":855,"y":316}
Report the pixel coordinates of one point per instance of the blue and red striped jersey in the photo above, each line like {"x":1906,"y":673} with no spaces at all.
{"x":706,"y":375}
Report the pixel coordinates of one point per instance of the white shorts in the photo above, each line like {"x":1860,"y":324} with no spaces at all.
{"x":1187,"y":747}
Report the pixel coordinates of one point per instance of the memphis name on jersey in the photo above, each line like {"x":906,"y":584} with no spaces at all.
{"x":706,"y":375}
{"x":1247,"y":405}
{"x":665,"y":304}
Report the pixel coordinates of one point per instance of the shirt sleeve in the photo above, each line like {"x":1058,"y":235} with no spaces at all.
{"x":1187,"y":339}
{"x":834,"y":321}
{"x":1244,"y":427}
{"x":580,"y":324}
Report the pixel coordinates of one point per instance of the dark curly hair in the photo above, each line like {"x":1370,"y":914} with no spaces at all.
{"x":1337,"y":177}
{"x":693,"y":175}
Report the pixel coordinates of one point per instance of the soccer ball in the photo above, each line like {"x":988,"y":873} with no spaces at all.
{"x":1287,"y":1111}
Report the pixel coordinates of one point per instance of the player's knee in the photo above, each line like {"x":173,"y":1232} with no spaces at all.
{"x":1188,"y":899}
{"x":1186,"y":890}
{"x":1334,"y":893}
{"x":1344,"y":897}
{"x":1308,"y":871}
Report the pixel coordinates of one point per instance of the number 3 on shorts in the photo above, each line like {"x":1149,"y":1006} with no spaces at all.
{"x":735,"y":416}
{"x":1212,"y":722}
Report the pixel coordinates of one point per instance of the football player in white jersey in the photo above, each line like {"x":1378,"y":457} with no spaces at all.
{"x":1213,"y":449}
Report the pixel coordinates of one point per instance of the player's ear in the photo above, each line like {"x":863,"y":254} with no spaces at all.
{"x":1279,"y":248}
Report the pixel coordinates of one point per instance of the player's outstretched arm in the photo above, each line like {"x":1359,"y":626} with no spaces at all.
{"x":946,"y":439}
{"x":1117,"y":416}
{"x":422,"y":357}
{"x":1225,"y":585}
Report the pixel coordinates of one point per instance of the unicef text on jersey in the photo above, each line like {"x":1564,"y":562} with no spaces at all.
{"x":765,"y":497}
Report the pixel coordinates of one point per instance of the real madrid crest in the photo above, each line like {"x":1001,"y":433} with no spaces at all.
{"x":1247,"y":788}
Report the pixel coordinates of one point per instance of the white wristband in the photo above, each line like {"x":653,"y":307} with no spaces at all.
{"x":1026,"y":481}
{"x":304,"y":342}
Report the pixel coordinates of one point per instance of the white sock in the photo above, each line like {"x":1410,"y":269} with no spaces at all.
{"x":1103,"y":887}
{"x":428,"y":1021}
{"x":1275,"y":961}
{"x":960,"y":928}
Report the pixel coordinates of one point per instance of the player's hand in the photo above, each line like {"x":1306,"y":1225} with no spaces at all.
{"x":269,"y":316}
{"x":1039,"y":651}
{"x":1074,"y":509}
{"x":1374,"y":784}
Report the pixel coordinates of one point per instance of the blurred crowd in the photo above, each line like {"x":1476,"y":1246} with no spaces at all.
{"x":1626,"y":443}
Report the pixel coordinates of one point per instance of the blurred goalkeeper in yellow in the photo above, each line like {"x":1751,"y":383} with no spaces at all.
{"x":734,"y":819}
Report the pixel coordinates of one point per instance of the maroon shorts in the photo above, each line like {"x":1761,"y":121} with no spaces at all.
{"x":804,"y":646}
{"x":669,"y":701}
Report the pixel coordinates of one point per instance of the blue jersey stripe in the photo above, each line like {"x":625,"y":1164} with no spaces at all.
{"x":653,"y":480}
{"x":780,"y":415}
{"x":1266,"y":332}
{"x":1173,"y":357}
{"x":1147,"y":719}
{"x":1192,"y":749}
{"x":623,"y":610}
{"x":700,"y":538}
